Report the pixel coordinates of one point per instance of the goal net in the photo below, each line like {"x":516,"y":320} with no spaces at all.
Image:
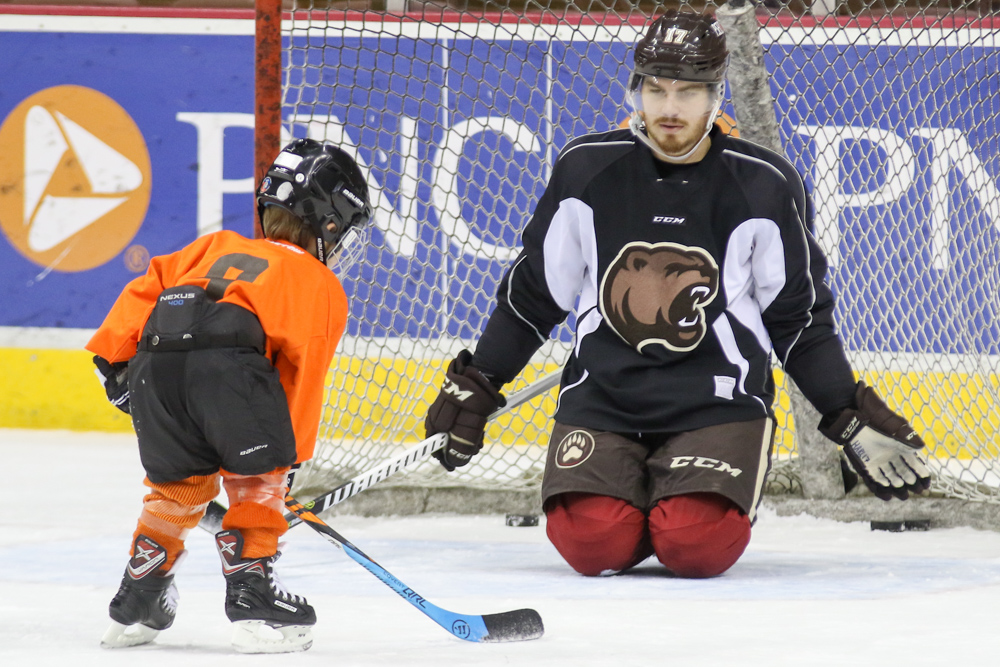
{"x":457,"y":116}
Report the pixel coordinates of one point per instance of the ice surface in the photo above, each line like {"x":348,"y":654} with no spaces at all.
{"x":807,"y":592}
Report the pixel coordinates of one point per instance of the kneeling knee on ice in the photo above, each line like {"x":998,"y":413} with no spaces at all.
{"x":696,"y":535}
{"x":597,"y":534}
{"x":699,"y":534}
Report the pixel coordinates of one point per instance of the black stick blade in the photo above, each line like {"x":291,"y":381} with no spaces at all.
{"x":513,"y":626}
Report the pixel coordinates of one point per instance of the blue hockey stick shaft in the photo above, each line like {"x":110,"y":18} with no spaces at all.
{"x":518,"y":625}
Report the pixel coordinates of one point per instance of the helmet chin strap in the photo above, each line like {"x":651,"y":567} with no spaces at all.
{"x":637,"y":125}
{"x":320,"y":249}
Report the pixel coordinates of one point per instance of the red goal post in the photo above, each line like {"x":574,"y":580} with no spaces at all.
{"x":457,"y":116}
{"x":267,"y":90}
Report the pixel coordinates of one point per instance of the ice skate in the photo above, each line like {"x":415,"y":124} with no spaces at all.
{"x":146,"y":601}
{"x":266,"y":617}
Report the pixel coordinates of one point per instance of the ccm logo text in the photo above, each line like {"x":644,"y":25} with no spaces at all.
{"x":704,"y":462}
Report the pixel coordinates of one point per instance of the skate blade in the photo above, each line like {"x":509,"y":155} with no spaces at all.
{"x":259,"y":637}
{"x":119,"y":635}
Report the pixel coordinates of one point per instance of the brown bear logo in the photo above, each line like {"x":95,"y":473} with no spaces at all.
{"x":657,"y":293}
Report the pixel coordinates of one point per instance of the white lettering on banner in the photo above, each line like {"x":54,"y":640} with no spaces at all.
{"x":212,"y":185}
{"x":952,"y":150}
{"x":951,"y":153}
{"x":830,"y":196}
{"x":406,"y":201}
{"x":399,"y":226}
{"x":444,"y":180}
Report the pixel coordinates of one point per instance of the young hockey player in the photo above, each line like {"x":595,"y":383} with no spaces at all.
{"x":692,"y":258}
{"x":220,"y":354}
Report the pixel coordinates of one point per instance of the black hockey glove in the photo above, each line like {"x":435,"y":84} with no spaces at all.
{"x":461,"y":410}
{"x":882,"y":446}
{"x":114,"y":377}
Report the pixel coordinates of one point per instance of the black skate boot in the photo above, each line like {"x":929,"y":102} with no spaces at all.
{"x":266,"y":617}
{"x":146,"y":601}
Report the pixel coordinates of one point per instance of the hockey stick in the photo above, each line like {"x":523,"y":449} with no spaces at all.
{"x":212,"y":521}
{"x":508,"y":626}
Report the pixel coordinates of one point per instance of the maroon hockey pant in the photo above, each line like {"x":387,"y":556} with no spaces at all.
{"x":693,"y":535}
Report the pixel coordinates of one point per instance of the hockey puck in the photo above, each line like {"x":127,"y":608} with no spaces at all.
{"x":889,"y":526}
{"x":904,"y":525}
{"x":917,"y":524}
{"x":522,"y":519}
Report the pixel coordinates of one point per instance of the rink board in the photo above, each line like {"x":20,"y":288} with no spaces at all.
{"x":57,"y":389}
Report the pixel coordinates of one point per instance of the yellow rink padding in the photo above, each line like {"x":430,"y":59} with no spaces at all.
{"x":54,"y":389}
{"x":380,"y":398}
{"x":957,"y":414}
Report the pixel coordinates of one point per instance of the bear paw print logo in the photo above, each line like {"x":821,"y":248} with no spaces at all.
{"x":574,"y":449}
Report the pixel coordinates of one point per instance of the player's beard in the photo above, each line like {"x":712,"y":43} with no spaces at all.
{"x":676,"y":143}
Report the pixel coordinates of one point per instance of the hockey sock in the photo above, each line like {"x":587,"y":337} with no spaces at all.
{"x":597,"y":534}
{"x":172,"y":509}
{"x":699,"y":534}
{"x":257,"y":510}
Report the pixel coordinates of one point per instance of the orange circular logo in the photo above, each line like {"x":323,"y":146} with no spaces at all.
{"x":75,"y":178}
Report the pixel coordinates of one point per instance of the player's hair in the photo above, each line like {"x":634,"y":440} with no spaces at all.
{"x":281,"y":224}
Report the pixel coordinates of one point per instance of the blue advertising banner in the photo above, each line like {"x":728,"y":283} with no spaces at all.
{"x":100,"y":137}
{"x":119,"y":146}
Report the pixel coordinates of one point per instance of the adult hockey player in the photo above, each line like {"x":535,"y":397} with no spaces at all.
{"x":220,"y":354}
{"x":689,"y":254}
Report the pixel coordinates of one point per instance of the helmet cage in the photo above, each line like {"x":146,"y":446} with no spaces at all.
{"x":349,"y":249}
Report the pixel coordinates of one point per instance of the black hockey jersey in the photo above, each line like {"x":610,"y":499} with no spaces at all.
{"x":684,"y":279}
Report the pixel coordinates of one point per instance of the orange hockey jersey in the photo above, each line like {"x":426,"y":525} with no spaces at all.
{"x":300,"y":304}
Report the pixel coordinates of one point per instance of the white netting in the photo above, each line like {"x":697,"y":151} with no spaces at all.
{"x":457,"y":117}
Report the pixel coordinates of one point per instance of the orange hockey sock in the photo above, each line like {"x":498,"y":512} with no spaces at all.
{"x":257,"y":509}
{"x":172,"y":509}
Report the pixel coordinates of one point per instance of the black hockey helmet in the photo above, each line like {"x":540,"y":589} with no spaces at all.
{"x":319,"y":183}
{"x":682,"y":46}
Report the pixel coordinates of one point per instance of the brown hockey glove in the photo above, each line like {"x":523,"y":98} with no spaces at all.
{"x":882,"y":446}
{"x":461,"y":410}
{"x":114,"y":377}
